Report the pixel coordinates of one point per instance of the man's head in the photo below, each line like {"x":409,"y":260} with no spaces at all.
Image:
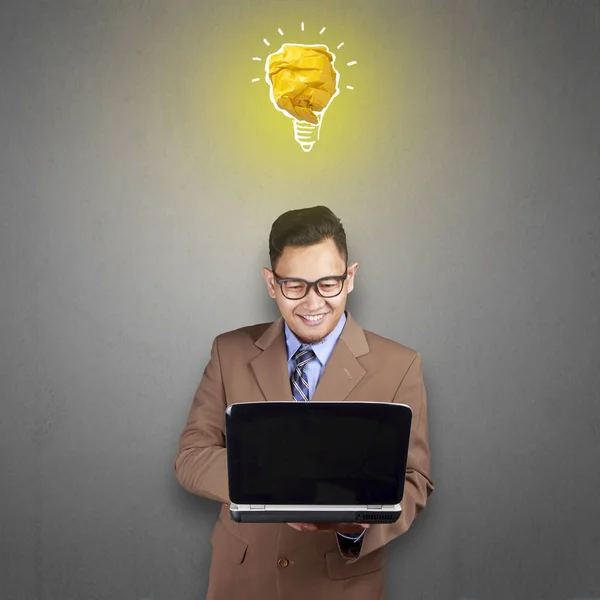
{"x":309,"y":245}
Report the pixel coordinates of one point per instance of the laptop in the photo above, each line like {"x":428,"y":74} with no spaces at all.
{"x":317,"y":462}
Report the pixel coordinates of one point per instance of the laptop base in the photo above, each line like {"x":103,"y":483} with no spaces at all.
{"x":314,"y":514}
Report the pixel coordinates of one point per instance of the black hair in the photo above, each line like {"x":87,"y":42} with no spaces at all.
{"x":305,"y":227}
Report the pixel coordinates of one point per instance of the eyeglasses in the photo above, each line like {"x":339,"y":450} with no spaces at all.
{"x":327,"y":287}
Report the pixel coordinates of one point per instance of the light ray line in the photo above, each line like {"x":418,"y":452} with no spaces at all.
{"x":266,"y":41}
{"x":302,"y":26}
{"x":349,"y":87}
{"x":258,"y":58}
{"x":352,"y":62}
{"x":256,"y":79}
{"x":322,"y":30}
{"x":280,"y":32}
{"x":340,"y":45}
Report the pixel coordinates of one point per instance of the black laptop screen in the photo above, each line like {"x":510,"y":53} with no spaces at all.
{"x":317,"y":452}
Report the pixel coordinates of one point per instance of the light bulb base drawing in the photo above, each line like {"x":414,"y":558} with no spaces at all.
{"x":306,"y":134}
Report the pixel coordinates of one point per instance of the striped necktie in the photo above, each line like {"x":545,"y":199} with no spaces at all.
{"x":299,"y":380}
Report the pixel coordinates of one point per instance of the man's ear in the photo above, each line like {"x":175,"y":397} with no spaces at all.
{"x":270,"y":279}
{"x":351,"y":273}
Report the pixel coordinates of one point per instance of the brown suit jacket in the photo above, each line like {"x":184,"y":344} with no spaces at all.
{"x":272,"y":561}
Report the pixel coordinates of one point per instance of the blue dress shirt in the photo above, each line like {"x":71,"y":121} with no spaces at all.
{"x":314,"y":369}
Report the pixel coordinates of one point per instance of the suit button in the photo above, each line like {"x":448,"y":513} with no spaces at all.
{"x":283,"y":563}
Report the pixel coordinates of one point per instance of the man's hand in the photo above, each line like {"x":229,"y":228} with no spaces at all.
{"x":331,"y":527}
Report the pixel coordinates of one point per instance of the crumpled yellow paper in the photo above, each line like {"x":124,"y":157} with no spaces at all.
{"x":303,"y":80}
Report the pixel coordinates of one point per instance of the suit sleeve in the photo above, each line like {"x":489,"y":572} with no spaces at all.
{"x":418,"y":485}
{"x":201,"y":461}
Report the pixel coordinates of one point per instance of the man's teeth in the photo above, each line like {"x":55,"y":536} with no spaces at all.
{"x":313,"y":318}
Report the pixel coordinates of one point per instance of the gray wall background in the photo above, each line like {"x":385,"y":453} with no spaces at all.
{"x":137,"y":190}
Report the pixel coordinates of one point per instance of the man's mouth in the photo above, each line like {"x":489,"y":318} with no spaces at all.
{"x":313,"y":319}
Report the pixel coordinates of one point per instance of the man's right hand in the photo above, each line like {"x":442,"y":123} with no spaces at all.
{"x":349,"y":528}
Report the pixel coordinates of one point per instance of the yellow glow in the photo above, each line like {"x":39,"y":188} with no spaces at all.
{"x":303,"y":81}
{"x":246,"y":128}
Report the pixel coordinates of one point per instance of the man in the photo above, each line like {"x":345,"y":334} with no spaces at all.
{"x":310,"y":281}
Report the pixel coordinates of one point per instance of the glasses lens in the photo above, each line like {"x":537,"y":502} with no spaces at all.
{"x":293,"y":289}
{"x":330,"y":287}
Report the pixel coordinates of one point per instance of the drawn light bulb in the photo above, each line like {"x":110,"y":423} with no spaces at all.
{"x":303,"y":81}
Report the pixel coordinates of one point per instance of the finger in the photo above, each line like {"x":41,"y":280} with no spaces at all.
{"x":342,"y":526}
{"x":303,"y":526}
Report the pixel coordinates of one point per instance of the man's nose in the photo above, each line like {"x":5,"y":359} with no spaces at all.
{"x":312,"y":299}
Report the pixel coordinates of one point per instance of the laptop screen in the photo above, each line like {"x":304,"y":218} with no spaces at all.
{"x":317,"y":452}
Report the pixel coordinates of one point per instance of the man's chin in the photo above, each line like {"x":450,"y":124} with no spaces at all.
{"x":313,"y":335}
{"x":311,"y":340}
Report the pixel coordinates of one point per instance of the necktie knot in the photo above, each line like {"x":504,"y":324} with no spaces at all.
{"x":303,"y":355}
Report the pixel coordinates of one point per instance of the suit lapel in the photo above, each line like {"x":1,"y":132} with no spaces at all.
{"x":270,"y":366}
{"x":342,"y":371}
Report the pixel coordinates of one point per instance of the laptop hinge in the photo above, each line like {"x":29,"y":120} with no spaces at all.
{"x":257,"y":507}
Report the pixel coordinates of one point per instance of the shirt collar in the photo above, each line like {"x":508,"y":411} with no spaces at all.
{"x":322,"y":349}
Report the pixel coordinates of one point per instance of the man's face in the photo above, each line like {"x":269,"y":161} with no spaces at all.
{"x":311,"y":318}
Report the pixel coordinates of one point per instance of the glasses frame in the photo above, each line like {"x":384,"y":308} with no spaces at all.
{"x":310,"y":284}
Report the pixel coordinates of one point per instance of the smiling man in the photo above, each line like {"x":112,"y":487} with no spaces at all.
{"x":310,"y":279}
